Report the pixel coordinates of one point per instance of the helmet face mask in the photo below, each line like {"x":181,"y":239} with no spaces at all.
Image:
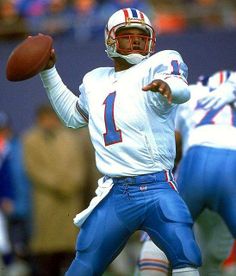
{"x":129,"y":19}
{"x":132,"y":43}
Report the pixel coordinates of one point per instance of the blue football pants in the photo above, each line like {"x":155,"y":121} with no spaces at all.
{"x":207,"y":179}
{"x":147,"y":203}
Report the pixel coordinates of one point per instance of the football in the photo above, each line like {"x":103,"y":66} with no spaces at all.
{"x":29,"y":57}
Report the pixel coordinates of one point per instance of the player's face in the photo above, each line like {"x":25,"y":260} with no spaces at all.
{"x":132,"y":40}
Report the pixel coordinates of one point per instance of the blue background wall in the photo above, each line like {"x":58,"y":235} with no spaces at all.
{"x":204,"y":53}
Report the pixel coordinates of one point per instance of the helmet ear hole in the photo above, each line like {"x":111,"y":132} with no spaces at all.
{"x":110,"y":41}
{"x":128,"y":18}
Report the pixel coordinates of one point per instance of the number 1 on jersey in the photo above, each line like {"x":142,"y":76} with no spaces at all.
{"x":175,"y":67}
{"x":112,"y":135}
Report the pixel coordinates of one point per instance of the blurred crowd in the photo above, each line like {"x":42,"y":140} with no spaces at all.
{"x":85,"y":19}
{"x":47,"y":175}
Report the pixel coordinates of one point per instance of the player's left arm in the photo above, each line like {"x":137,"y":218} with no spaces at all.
{"x":170,"y":79}
{"x":161,"y":87}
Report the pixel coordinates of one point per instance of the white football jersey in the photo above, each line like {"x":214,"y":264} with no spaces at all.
{"x":206,"y":127}
{"x":132,"y":131}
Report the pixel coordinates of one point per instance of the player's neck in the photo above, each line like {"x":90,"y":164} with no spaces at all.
{"x":121,"y":64}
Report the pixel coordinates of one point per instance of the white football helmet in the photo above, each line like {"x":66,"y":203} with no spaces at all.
{"x":218,"y":78}
{"x":129,"y":18}
{"x":215,"y":80}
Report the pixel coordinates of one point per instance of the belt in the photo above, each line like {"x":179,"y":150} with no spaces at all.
{"x":161,"y":176}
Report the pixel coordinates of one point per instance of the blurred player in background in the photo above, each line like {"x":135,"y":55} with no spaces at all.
{"x":206,"y":174}
{"x":6,"y":192}
{"x":15,"y":202}
{"x":130,"y":111}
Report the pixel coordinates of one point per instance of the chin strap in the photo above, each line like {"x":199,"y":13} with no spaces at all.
{"x":134,"y":58}
{"x":131,"y":58}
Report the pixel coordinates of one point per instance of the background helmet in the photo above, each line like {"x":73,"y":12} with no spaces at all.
{"x":215,"y":80}
{"x":127,"y":18}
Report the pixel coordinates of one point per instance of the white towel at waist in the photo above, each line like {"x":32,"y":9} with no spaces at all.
{"x":101,"y":192}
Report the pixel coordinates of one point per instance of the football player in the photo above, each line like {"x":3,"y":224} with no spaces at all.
{"x":206,"y":174}
{"x":130,"y":111}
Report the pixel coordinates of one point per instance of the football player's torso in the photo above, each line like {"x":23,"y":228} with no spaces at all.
{"x":209,"y":127}
{"x":120,"y":119}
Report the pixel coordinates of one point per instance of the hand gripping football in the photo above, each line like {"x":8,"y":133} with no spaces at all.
{"x":29,"y":57}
